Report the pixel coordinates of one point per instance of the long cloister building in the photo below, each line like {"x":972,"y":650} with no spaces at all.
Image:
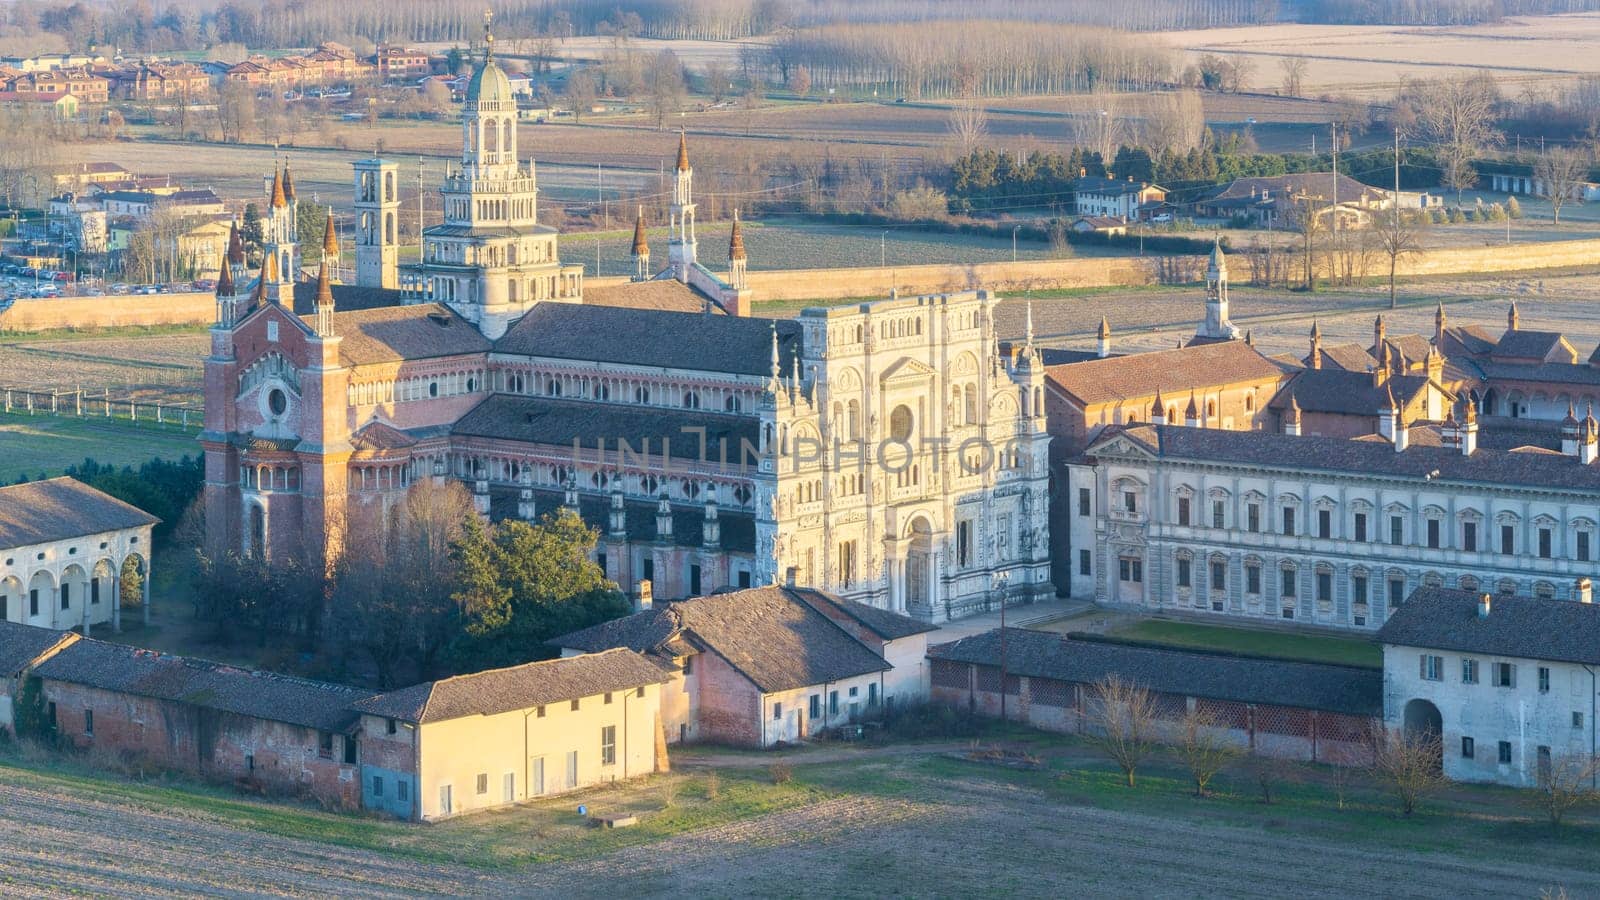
{"x":885,"y":451}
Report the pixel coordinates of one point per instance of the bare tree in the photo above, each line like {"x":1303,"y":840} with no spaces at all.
{"x":1569,"y":784}
{"x":1398,"y":239}
{"x":1294,"y":75}
{"x":1103,"y":128}
{"x":1205,"y":748}
{"x":1409,"y":763}
{"x":1456,"y":116}
{"x":1306,"y":216}
{"x":1175,"y":121}
{"x":667,"y":91}
{"x":393,"y":585}
{"x":1124,"y":717}
{"x":968,"y":124}
{"x":581,"y":93}
{"x":718,"y":80}
{"x":1562,"y":172}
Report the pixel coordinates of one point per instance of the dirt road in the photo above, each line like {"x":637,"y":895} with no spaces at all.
{"x":978,"y":838}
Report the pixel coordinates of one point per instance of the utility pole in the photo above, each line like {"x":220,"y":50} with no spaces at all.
{"x":1335,"y":127}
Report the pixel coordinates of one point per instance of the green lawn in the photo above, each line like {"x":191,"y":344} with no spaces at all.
{"x":1311,"y":647}
{"x":45,"y":445}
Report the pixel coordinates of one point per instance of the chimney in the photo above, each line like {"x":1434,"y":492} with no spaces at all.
{"x":1291,"y":418}
{"x":1483,"y":606}
{"x":1469,"y":428}
{"x":1571,"y":432}
{"x":1103,"y":339}
{"x":643,"y":597}
{"x":1402,"y":434}
{"x":1583,"y":590}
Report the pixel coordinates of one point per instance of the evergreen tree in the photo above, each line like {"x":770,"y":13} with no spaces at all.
{"x":251,"y":233}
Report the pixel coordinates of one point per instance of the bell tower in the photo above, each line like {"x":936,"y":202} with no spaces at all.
{"x":377,"y":227}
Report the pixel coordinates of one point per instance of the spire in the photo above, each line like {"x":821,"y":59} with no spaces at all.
{"x":1388,"y":398}
{"x":235,"y":244}
{"x":775,"y":369}
{"x":330,"y":238}
{"x":288,"y":182}
{"x":488,"y":36}
{"x":1316,"y":330}
{"x":1028,"y":335}
{"x":225,"y":281}
{"x":1572,"y":415}
{"x":1105,"y":329}
{"x":324,"y":302}
{"x":277,"y":198}
{"x":736,"y":240}
{"x":641,"y":247}
{"x":1193,"y":411}
{"x":1512,"y":318}
{"x":1158,"y":409}
{"x":683,"y":151}
{"x":1249,"y":338}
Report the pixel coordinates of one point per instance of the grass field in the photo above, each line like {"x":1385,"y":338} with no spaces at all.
{"x":1288,"y":645}
{"x":896,"y":820}
{"x":43,"y":445}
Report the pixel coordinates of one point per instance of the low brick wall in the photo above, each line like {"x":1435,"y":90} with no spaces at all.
{"x":1281,"y":732}
{"x":197,"y":308}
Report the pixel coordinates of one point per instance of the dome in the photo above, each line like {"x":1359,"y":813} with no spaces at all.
{"x":489,"y":85}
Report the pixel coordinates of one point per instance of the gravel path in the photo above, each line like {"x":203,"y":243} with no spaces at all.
{"x":977,"y":838}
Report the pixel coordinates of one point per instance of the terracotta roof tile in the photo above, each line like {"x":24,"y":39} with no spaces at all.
{"x":39,"y":512}
{"x":1141,"y":375}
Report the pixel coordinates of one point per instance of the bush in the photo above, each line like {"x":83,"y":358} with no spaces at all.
{"x":924,"y":721}
{"x":1440,"y":216}
{"x":713,"y":786}
{"x":918,"y":204}
{"x":1513,"y":208}
{"x":1495,"y":213}
{"x":1456,"y":216}
{"x":781,"y":772}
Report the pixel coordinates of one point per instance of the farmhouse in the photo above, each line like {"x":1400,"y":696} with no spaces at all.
{"x":258,"y":729}
{"x":493,"y":738}
{"x":64,"y":547}
{"x":1508,"y":683}
{"x":1293,"y":710}
{"x":769,"y":665}
{"x":1126,"y":200}
{"x":1275,"y":201}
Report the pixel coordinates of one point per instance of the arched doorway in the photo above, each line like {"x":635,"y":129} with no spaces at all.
{"x":11,"y":599}
{"x":1424,"y":724}
{"x":1423,"y":718}
{"x":919,"y":565}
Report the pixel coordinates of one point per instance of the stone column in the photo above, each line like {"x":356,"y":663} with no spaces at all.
{"x":144,"y":606}
{"x":116,"y":603}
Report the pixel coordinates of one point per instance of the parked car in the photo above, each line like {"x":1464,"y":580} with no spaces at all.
{"x":1161,"y":217}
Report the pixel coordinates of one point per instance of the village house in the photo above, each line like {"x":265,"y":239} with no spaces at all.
{"x":1507,"y":683}
{"x":80,"y":175}
{"x":1107,"y":225}
{"x":489,"y":739}
{"x":402,"y":63}
{"x":1270,"y":707}
{"x":1332,"y":532}
{"x":1277,"y":201}
{"x":1126,"y":200}
{"x":63,"y":549}
{"x":255,"y":729}
{"x":769,"y":665}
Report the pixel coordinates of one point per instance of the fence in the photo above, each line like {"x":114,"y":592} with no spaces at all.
{"x":79,"y":403}
{"x":1262,"y":729}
